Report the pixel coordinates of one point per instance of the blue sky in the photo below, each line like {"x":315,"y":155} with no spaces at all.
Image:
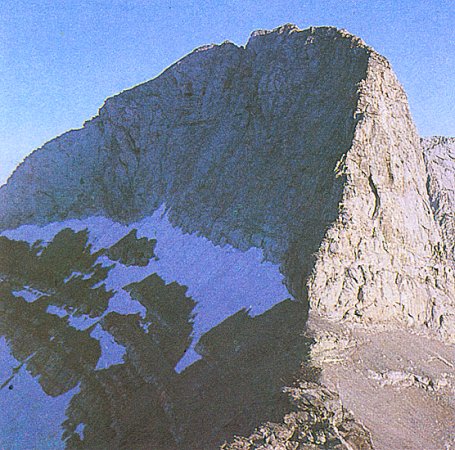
{"x":59,"y":59}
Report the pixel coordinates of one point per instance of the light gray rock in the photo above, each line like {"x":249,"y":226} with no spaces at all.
{"x":439,"y":156}
{"x":381,"y":260}
{"x":319,"y":422}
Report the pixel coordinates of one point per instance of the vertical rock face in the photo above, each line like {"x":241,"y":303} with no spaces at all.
{"x":439,"y":156}
{"x":300,"y":143}
{"x":239,"y":142}
{"x":382,"y":258}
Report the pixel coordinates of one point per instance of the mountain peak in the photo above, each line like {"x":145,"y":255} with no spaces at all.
{"x":302,"y":145}
{"x":299,"y":145}
{"x":286,"y":28}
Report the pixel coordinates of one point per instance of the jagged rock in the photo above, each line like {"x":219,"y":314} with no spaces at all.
{"x":379,"y":261}
{"x":439,"y":156}
{"x":132,"y":251}
{"x":320,"y":422}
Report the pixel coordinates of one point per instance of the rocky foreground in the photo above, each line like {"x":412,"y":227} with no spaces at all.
{"x":299,"y":143}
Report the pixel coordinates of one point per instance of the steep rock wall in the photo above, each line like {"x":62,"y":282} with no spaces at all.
{"x":240,"y":143}
{"x":439,"y":156}
{"x":382,"y":261}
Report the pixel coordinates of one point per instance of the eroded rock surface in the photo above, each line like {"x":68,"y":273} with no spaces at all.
{"x":319,"y":422}
{"x":439,"y":156}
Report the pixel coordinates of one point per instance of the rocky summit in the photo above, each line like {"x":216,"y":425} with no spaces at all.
{"x":300,"y":145}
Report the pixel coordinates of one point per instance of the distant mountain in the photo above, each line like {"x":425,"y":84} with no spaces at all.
{"x":439,"y":156}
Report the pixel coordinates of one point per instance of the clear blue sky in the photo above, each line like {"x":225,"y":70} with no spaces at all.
{"x":59,"y":59}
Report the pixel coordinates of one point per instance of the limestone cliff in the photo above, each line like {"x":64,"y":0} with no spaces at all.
{"x":383,"y":258}
{"x":300,"y":142}
{"x":439,"y":156}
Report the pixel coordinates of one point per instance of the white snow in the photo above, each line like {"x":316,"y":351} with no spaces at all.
{"x":28,"y":294}
{"x":222,"y":280}
{"x":111,"y":352}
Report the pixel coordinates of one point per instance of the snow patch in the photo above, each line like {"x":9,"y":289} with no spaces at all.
{"x":28,"y":294}
{"x":222,"y":280}
{"x":111,"y":352}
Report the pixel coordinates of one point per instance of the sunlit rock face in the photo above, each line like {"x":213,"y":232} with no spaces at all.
{"x":439,"y":156}
{"x":380,"y":261}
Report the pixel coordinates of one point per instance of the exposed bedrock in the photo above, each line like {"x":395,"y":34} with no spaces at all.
{"x":300,"y":143}
{"x":439,"y":156}
{"x":383,"y":259}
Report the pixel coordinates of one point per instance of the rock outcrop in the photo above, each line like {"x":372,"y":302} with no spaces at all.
{"x":382,"y":258}
{"x":319,"y":422}
{"x":439,"y":156}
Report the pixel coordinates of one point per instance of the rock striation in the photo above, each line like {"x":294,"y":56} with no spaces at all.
{"x":300,"y":142}
{"x":439,"y":156}
{"x":383,"y":257}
